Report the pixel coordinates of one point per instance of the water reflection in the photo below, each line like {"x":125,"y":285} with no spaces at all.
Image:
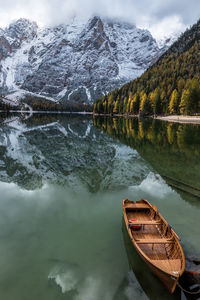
{"x":65,"y":150}
{"x":54,"y":245}
{"x":171,"y":149}
{"x":62,"y":182}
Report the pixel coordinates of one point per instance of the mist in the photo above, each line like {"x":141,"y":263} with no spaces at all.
{"x":161,"y":18}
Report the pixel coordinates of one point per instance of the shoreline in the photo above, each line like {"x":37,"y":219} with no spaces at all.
{"x":170,"y":118}
{"x":180,"y":119}
{"x":48,"y":112}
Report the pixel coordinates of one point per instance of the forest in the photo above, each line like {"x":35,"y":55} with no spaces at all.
{"x":170,"y":86}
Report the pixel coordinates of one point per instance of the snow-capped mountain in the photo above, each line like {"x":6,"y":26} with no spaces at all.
{"x":79,"y":61}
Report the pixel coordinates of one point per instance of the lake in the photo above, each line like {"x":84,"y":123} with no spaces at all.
{"x":62,"y":181}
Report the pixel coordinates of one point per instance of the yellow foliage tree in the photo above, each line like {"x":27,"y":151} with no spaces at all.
{"x":173,"y":104}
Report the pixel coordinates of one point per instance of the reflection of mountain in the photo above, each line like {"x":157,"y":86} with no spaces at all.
{"x":171,"y":149}
{"x":149,"y":282}
{"x":65,"y":150}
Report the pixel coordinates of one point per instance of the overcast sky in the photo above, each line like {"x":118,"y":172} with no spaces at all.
{"x":162,"y":17}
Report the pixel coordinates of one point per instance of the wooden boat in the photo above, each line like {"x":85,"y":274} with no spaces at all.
{"x":155,"y":241}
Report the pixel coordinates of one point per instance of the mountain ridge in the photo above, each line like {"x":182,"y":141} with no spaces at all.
{"x":78,"y":62}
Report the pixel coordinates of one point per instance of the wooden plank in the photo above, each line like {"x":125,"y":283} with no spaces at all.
{"x":143,"y":222}
{"x":136,"y":206}
{"x":154,"y":241}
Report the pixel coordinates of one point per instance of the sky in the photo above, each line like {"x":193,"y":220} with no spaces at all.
{"x":162,"y":17}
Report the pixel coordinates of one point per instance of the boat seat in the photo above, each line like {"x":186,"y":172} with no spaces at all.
{"x":154,"y":241}
{"x":143,"y":222}
{"x":137,"y":206}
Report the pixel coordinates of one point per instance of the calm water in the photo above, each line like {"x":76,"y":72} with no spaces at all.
{"x":62,"y":181}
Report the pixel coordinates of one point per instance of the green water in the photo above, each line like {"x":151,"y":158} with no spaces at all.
{"x":62,"y":181}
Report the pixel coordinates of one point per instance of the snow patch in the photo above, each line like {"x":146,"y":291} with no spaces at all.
{"x":154,"y":185}
{"x":88,"y":94}
{"x":21,"y":94}
{"x":129,"y":71}
{"x":62,"y":94}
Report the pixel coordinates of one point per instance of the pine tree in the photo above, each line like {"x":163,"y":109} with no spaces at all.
{"x":185,"y":100}
{"x":105,"y":107}
{"x":155,"y":101}
{"x":129,"y":102}
{"x":131,"y":110}
{"x":173,"y":104}
{"x":144,"y":104}
{"x":124,"y":105}
{"x":110,"y":104}
{"x":116,"y":107}
{"x":136,"y":103}
{"x":194,"y":89}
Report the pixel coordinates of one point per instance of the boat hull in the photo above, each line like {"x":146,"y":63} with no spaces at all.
{"x":169,"y":281}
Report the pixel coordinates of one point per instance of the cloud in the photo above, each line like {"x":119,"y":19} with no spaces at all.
{"x":160,"y":16}
{"x":167,"y":27}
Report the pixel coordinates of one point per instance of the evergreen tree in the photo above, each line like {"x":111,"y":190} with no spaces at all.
{"x":131,"y":109}
{"x":136,"y":103}
{"x":116,"y":107}
{"x":110,"y":104}
{"x":155,"y":101}
{"x":125,"y":105}
{"x":173,"y":104}
{"x":105,"y":107}
{"x":185,"y":100}
{"x":144,"y":104}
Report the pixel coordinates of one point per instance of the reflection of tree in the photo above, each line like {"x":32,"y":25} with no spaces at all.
{"x":170,"y":148}
{"x":171,"y":133}
{"x":115,"y":127}
{"x":176,"y":137}
{"x":188,"y":139}
{"x":180,"y":137}
{"x":141,"y":133}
